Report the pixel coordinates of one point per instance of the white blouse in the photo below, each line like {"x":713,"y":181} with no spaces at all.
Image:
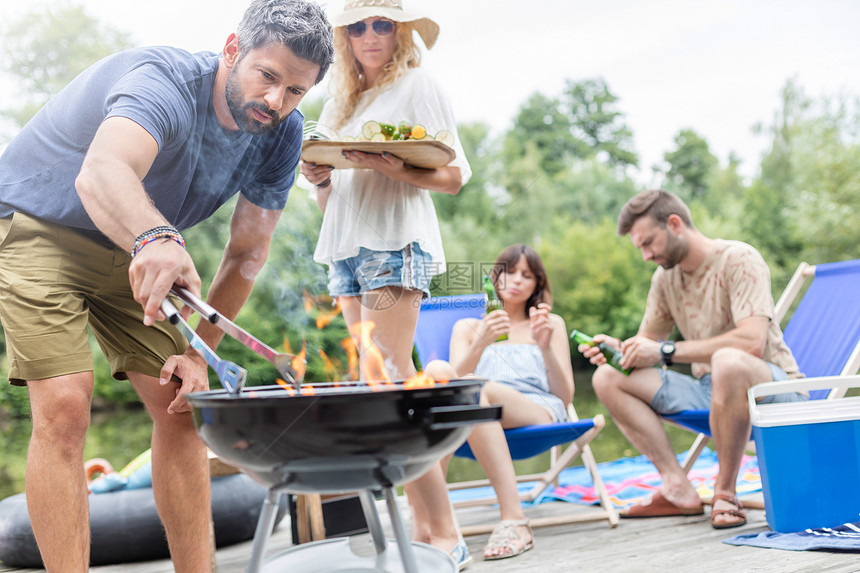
{"x":368,"y":209}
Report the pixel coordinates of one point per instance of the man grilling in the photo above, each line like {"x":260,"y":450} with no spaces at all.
{"x":94,"y":194}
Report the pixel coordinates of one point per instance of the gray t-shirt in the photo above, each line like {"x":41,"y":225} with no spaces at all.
{"x":168,"y":92}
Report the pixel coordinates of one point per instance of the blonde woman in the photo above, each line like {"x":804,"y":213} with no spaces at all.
{"x":380,"y":236}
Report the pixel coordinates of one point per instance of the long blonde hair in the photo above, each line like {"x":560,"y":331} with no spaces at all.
{"x":347,"y":80}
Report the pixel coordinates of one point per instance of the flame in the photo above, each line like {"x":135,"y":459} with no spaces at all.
{"x":308,"y":390}
{"x":252,"y":394}
{"x":421,"y":380}
{"x":298,"y":362}
{"x":325,"y":317}
{"x":373,"y":366}
{"x":287,"y":348}
{"x":326,"y":308}
{"x":348,"y":345}
{"x":331,"y":368}
{"x":286,"y":386}
{"x":308,"y":301}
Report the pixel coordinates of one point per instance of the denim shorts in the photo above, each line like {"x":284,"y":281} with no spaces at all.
{"x":370,"y":270}
{"x":681,"y":392}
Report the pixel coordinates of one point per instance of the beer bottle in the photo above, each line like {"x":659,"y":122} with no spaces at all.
{"x":493,"y":301}
{"x":613,"y":356}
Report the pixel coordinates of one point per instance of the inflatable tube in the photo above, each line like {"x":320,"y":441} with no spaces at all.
{"x":125,"y":526}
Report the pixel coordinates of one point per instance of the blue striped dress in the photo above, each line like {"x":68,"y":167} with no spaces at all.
{"x":521,"y":367}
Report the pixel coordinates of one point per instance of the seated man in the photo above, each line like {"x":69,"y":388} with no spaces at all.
{"x":718,"y":293}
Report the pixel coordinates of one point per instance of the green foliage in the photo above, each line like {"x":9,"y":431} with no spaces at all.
{"x":599,"y":280}
{"x":542,"y":127}
{"x":597,"y":123}
{"x":47,"y":47}
{"x":804,"y":205}
{"x":475,"y":197}
{"x":582,"y":123}
{"x":691,"y":164}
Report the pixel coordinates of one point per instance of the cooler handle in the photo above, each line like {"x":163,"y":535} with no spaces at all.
{"x":800,"y":385}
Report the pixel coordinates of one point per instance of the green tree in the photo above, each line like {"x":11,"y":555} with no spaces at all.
{"x":599,"y":281}
{"x":596,"y":123}
{"x":825,"y":157}
{"x":691,"y":165}
{"x":769,"y":223}
{"x":543,"y":125}
{"x":47,"y":47}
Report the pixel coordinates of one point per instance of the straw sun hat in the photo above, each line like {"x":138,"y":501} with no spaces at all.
{"x":358,"y":10}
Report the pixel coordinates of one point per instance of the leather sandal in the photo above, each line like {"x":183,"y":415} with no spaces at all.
{"x":505,"y":537}
{"x":737,"y":512}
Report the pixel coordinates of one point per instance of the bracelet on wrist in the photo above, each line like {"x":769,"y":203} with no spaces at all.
{"x":160,"y":232}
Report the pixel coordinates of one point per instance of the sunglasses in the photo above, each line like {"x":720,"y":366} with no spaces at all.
{"x":380,"y":28}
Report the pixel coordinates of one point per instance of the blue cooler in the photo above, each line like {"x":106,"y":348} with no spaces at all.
{"x":808,"y":454}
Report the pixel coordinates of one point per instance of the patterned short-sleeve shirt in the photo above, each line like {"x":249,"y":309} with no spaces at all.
{"x":732,"y":284}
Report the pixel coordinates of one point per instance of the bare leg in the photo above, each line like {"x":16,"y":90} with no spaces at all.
{"x":733,"y":373}
{"x":180,"y":478}
{"x":432,"y":510}
{"x":56,"y":484}
{"x":394,"y":313}
{"x":490,"y":447}
{"x":628,"y":399}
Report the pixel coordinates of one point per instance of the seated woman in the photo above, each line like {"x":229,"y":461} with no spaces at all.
{"x":530,"y":374}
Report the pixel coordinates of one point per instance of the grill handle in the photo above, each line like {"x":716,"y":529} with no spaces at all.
{"x":446,"y":417}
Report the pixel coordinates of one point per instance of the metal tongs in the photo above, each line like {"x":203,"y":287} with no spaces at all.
{"x":231,"y":375}
{"x":283,"y":362}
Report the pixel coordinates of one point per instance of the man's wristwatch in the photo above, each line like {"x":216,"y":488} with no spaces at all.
{"x":667,"y":351}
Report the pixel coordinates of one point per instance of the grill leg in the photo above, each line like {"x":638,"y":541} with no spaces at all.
{"x":371,"y":516}
{"x":410,"y":565}
{"x":265,"y":524}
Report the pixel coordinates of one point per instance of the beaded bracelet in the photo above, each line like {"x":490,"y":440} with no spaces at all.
{"x":161,"y":232}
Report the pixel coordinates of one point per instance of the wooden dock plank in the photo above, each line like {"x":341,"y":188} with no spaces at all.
{"x":669,"y":544}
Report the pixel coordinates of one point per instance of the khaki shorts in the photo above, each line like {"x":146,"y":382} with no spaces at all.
{"x":54,"y":282}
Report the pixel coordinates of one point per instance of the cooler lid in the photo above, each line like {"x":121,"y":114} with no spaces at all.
{"x":809,"y":412}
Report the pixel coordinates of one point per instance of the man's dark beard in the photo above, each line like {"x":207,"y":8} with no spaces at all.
{"x":675,"y":252}
{"x":239,"y":111}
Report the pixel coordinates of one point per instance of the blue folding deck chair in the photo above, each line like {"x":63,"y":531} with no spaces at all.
{"x":823,"y":334}
{"x":432,"y":341}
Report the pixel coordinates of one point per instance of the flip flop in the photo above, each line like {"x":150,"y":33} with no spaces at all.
{"x":737,"y":512}
{"x":659,"y":506}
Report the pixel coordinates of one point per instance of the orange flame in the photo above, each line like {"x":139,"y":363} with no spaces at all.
{"x":286,"y":386}
{"x":325,"y":317}
{"x":308,"y":390}
{"x":331,"y":367}
{"x":373,"y":365}
{"x":326,"y":308}
{"x":298,"y":362}
{"x":348,"y":344}
{"x":287,"y":348}
{"x":308,"y":301}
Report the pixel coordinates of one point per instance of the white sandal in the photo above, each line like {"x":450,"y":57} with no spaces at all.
{"x":504,"y":536}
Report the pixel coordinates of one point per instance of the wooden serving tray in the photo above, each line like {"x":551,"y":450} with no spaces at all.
{"x":417,"y":153}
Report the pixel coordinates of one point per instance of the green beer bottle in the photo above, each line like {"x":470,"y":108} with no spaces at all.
{"x":613,"y":356}
{"x":493,"y":301}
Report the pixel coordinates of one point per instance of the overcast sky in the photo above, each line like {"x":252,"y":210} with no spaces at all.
{"x":715,"y":66}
